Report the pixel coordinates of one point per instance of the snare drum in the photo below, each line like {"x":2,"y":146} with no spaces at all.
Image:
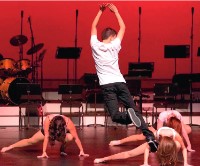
{"x":10,"y":90}
{"x":24,"y":67}
{"x":24,"y":64}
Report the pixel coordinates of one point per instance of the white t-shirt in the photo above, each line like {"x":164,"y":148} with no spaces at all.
{"x":164,"y":115}
{"x":166,"y":131}
{"x":106,"y":60}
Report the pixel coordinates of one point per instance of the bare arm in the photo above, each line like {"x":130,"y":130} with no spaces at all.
{"x":159,"y":124}
{"x":96,"y":19}
{"x":72,"y":130}
{"x":46,"y":138}
{"x":122,"y":26}
{"x":185,"y":135}
{"x":184,"y":150}
{"x":146,"y":157}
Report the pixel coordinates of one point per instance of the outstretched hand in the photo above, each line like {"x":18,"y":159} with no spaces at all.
{"x":44,"y":155}
{"x":112,"y":8}
{"x":189,"y":149}
{"x":187,"y":164}
{"x":83,"y":154}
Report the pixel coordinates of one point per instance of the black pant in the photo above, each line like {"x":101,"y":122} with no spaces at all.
{"x":115,"y":92}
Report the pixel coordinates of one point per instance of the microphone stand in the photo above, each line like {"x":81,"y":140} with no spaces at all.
{"x":21,"y":46}
{"x":75,"y":62}
{"x":191,"y":37}
{"x":190,"y":82}
{"x":139,"y":42}
{"x":42,"y":69}
{"x":32,"y":45}
{"x":139,"y":37}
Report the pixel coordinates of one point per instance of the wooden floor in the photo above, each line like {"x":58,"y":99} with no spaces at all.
{"x":95,"y":142}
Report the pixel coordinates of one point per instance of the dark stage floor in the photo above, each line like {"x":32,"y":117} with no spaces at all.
{"x":95,"y":142}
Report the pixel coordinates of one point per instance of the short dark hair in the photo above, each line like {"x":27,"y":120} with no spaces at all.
{"x":107,"y":32}
{"x":1,"y":56}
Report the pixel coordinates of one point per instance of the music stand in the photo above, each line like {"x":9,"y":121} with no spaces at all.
{"x":69,"y":53}
{"x":29,"y":92}
{"x":198,"y":52}
{"x":176,"y":51}
{"x":70,"y":89}
{"x":141,"y":69}
{"x":71,"y":97}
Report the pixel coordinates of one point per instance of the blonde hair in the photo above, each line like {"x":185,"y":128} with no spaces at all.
{"x":167,"y":151}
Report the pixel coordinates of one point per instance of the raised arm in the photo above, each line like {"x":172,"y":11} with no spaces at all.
{"x":96,"y":19}
{"x":72,"y":130}
{"x":122,"y":26}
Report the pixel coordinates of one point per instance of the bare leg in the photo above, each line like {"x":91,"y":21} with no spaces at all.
{"x":187,"y":128}
{"x":137,"y":137}
{"x":25,"y":142}
{"x":124,"y":155}
{"x":68,"y":137}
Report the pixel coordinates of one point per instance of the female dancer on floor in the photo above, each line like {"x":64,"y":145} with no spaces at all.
{"x":170,"y":141}
{"x":56,"y":128}
{"x":164,"y":120}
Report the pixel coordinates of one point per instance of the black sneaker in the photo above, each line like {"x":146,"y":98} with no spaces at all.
{"x":153,"y":144}
{"x":134,"y":117}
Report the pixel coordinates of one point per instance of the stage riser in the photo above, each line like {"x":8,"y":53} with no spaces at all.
{"x":9,"y":115}
{"x":14,"y":121}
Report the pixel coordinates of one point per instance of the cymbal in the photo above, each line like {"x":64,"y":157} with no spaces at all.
{"x":18,"y":40}
{"x":41,"y":56}
{"x":35,"y":49}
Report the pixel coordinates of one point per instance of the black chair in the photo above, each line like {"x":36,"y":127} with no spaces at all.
{"x":95,"y":102}
{"x":164,"y":97}
{"x":72,"y":99}
{"x":31,"y":99}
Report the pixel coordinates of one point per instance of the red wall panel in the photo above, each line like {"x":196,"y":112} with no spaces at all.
{"x":53,"y":24}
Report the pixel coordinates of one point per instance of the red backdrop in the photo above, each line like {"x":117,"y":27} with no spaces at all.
{"x":53,"y":24}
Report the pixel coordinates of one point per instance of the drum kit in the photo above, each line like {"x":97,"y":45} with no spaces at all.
{"x":13,"y":72}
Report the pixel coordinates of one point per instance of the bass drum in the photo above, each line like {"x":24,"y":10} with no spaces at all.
{"x":10,"y":90}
